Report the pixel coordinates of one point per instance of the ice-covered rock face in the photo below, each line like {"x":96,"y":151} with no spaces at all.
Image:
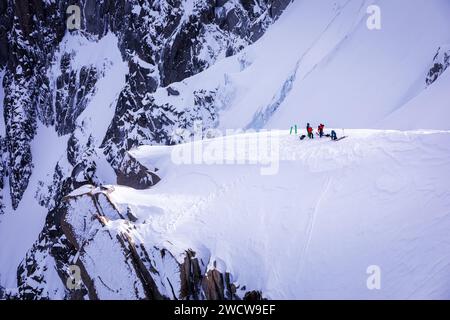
{"x":57,"y":78}
{"x":34,"y":29}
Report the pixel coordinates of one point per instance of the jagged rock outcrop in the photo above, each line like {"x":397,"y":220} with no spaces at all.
{"x":441,"y":62}
{"x":133,"y":174}
{"x":146,"y":122}
{"x":73,"y":89}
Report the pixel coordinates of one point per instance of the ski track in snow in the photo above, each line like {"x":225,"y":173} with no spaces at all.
{"x":310,"y":226}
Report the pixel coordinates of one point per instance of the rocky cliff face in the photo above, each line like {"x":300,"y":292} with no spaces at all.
{"x":441,"y":62}
{"x":46,"y":82}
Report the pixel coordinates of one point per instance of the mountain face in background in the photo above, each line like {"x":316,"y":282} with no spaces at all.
{"x":77,"y":103}
{"x":124,"y":51}
{"x":161,"y":42}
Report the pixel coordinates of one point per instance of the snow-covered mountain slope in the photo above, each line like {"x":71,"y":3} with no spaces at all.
{"x":74,"y":103}
{"x":427,"y":109}
{"x":312,"y":229}
{"x":321,"y":63}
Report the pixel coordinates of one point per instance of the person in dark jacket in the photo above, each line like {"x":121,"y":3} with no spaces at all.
{"x":333,"y":135}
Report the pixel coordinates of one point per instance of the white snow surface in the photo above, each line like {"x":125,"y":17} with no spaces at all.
{"x":312,"y":230}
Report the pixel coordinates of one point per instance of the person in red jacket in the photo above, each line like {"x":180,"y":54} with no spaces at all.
{"x":320,"y":130}
{"x":310,"y":131}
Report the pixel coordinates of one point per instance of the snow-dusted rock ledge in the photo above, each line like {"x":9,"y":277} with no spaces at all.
{"x":116,"y":264}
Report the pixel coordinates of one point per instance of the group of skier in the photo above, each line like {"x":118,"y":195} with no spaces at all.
{"x":320,"y":132}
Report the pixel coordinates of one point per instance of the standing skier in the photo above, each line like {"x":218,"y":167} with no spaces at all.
{"x":310,"y":131}
{"x":320,"y":130}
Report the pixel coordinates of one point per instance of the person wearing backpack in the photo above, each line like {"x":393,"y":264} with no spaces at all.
{"x":320,"y":130}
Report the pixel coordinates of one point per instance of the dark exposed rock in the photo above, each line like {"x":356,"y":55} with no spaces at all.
{"x":276,"y":7}
{"x":441,"y":62}
{"x":191,"y":277}
{"x":144,"y":122}
{"x":172,"y":92}
{"x":213,"y":285}
{"x":253,"y":296}
{"x":5,"y":26}
{"x":133,"y":174}
{"x":72,"y":95}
